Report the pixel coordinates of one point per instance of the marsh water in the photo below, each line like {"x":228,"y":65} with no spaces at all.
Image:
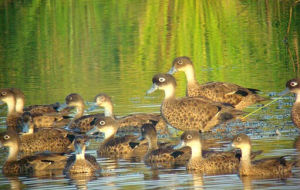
{"x":50,"y":49}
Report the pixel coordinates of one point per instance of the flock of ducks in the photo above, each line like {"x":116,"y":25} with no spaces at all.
{"x":41,"y":137}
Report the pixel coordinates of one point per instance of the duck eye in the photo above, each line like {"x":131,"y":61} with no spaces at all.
{"x":239,"y":139}
{"x":189,"y":137}
{"x":294,"y":83}
{"x":70,"y":98}
{"x":3,"y":93}
{"x":161,"y":79}
{"x":6,"y":137}
{"x":180,"y":62}
{"x":102,"y":122}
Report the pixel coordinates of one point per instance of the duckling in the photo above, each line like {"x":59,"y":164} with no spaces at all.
{"x":7,"y":96}
{"x":233,"y":94}
{"x":294,"y":86}
{"x":80,"y":162}
{"x":125,"y":146}
{"x":44,"y":139}
{"x":156,"y":154}
{"x":269,"y":167}
{"x":80,"y":123}
{"x":30,"y":164}
{"x":134,"y":121}
{"x":212,"y":162}
{"x":190,"y":113}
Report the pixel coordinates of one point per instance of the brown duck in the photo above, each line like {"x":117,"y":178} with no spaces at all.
{"x":132,"y":122}
{"x":162,"y":156}
{"x":81,"y":163}
{"x":268,"y":167}
{"x":30,"y":164}
{"x":190,"y":113}
{"x":229,"y":93}
{"x":294,"y":86}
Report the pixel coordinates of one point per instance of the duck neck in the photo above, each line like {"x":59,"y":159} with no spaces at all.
{"x":80,"y":154}
{"x":196,"y":151}
{"x":152,"y":143}
{"x":108,"y":109}
{"x":109,"y":134}
{"x":245,"y":158}
{"x":13,"y":153}
{"x":190,"y":74}
{"x":297,"y":98}
{"x":80,"y":111}
{"x":19,"y":105}
{"x":11,"y":105}
{"x":169,"y":92}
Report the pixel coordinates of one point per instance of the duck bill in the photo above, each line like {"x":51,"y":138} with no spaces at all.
{"x":152,"y":89}
{"x":286,"y":91}
{"x":172,"y":71}
{"x":179,"y":146}
{"x":93,"y":131}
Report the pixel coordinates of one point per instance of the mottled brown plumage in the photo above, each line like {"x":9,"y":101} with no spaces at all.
{"x":190,"y":113}
{"x":157,"y":155}
{"x":81,"y":163}
{"x":229,"y":93}
{"x":268,"y":167}
{"x":294,"y":86}
{"x":131,"y":122}
{"x":212,"y":162}
{"x":45,"y":139}
{"x":29,"y":164}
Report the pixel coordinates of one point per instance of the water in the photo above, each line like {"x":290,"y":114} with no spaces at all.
{"x":50,"y":49}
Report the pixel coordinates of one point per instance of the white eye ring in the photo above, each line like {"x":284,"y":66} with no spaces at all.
{"x":161,"y":79}
{"x":102,"y":122}
{"x":4,"y":93}
{"x":6,"y":137}
{"x":294,"y":83}
{"x":189,"y":137}
{"x":239,"y":139}
{"x":71,"y":98}
{"x":180,"y":62}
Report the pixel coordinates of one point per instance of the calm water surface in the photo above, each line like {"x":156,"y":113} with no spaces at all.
{"x":50,"y":49}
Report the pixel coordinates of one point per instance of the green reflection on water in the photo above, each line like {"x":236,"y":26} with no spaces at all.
{"x":52,"y":48}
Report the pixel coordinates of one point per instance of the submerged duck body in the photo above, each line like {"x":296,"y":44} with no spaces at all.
{"x":190,"y":113}
{"x":294,"y":86}
{"x":229,"y":93}
{"x":268,"y":167}
{"x":29,"y":164}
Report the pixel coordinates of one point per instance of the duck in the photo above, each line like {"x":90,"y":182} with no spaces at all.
{"x":293,"y":86}
{"x":190,"y":113}
{"x":211,"y":162}
{"x":7,"y":96}
{"x":44,"y":139}
{"x":33,"y":109}
{"x":81,"y":163}
{"x":131,"y":122}
{"x":40,"y":119}
{"x":80,"y":123}
{"x":28,"y":164}
{"x":162,"y":155}
{"x":117,"y":147}
{"x":268,"y":167}
{"x":233,"y":94}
